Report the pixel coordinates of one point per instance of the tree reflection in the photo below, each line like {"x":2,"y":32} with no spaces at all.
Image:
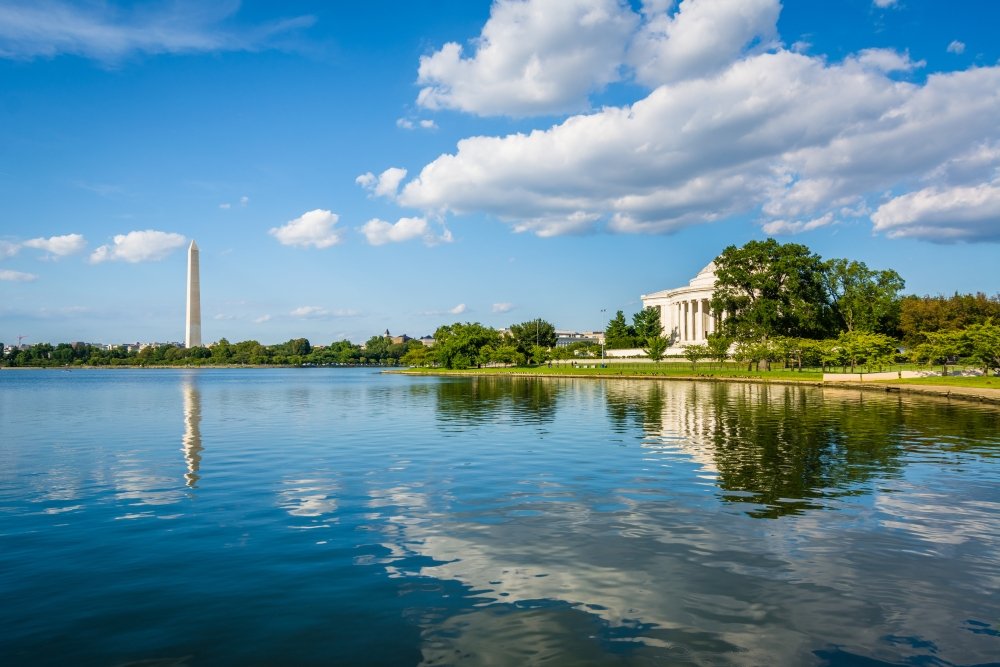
{"x":787,"y":448}
{"x":480,"y":400}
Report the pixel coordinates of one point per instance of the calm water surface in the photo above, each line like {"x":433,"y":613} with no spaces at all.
{"x":318,"y":517}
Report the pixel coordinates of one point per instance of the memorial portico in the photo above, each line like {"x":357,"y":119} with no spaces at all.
{"x":685,"y":312}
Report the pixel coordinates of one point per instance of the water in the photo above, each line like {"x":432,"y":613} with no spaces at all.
{"x":301,"y":517}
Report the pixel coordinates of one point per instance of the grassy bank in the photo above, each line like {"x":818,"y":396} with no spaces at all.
{"x":675,"y":371}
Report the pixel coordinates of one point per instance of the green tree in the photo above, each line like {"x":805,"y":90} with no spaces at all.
{"x":768,"y":289}
{"x":940,"y":346}
{"x":718,"y":345}
{"x":458,"y":345}
{"x":527,"y":335}
{"x":618,"y":334}
{"x":417,"y":355}
{"x":646,"y":324}
{"x":695,"y":353}
{"x":656,"y":346}
{"x":863,"y":299}
{"x":983,"y":344}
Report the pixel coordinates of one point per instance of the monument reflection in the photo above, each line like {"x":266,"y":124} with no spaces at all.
{"x":191,"y":442}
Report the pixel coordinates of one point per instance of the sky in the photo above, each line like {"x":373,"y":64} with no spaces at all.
{"x":351,"y":167}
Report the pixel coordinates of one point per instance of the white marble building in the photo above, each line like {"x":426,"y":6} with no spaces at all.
{"x":685,"y":311}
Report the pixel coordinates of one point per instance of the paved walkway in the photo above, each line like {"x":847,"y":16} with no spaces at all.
{"x":981,"y":394}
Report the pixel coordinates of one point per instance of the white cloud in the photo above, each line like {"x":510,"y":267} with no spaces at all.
{"x":309,"y":311}
{"x":956,"y":47}
{"x":380,"y":232}
{"x":402,"y":123}
{"x":532,"y":57}
{"x":943,"y":214}
{"x":59,"y":246}
{"x":312,"y":228}
{"x":17,"y":276}
{"x":883,"y":4}
{"x":701,"y":38}
{"x":385,"y":185}
{"x":887,"y":60}
{"x":502,"y":307}
{"x":8,"y":249}
{"x":110,"y":33}
{"x":782,"y":227}
{"x":458,"y":310}
{"x":262,"y":319}
{"x":795,"y":135}
{"x":366,"y":180}
{"x":318,"y":312}
{"x":244,"y":201}
{"x":428,"y":124}
{"x":226,"y":206}
{"x":145,"y":246}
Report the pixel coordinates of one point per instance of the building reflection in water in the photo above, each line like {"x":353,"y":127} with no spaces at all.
{"x":191,"y":442}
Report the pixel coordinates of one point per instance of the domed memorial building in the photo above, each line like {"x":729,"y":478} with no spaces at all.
{"x":685,"y":312}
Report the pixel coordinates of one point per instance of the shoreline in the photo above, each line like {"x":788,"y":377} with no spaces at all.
{"x":966,"y":394}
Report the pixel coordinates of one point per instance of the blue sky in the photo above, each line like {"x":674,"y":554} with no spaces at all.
{"x":348,"y":168}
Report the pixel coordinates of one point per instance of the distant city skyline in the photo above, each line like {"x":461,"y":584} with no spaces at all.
{"x":348,"y":169}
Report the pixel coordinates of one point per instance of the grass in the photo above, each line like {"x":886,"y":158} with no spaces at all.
{"x":975,"y":381}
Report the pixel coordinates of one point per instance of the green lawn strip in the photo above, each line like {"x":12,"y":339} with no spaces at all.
{"x":976,"y":381}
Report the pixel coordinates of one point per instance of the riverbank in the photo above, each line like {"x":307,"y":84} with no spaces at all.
{"x":989,"y":395}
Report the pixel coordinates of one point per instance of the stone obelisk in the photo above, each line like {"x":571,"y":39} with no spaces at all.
{"x":192,"y":330}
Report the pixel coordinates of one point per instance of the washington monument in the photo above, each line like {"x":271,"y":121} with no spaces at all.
{"x":192,"y":330}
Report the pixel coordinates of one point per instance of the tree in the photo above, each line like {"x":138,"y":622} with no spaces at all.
{"x":871,"y":349}
{"x":940,"y":346}
{"x":618,"y":334}
{"x":458,"y":345}
{"x":863,"y":299}
{"x":920,"y":315}
{"x":528,"y":334}
{"x":983,"y":344}
{"x":767,"y":289}
{"x":417,"y":356}
{"x":655,"y":347}
{"x":718,"y":346}
{"x":695,"y":353}
{"x":646,"y":324}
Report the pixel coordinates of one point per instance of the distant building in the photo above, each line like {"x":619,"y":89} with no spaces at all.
{"x":396,"y":340}
{"x":564,"y":338}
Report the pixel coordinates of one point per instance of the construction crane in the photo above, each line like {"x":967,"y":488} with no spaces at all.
{"x":19,"y":339}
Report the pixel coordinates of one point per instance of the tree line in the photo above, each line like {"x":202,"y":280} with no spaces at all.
{"x":782,"y":302}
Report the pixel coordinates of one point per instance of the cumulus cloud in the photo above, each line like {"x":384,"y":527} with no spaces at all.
{"x":140,"y":246}
{"x":380,"y":232}
{"x":792,"y":135}
{"x":943,"y":214}
{"x":385,"y":185}
{"x":313,"y":228}
{"x":59,"y":246}
{"x":883,"y":4}
{"x":17,"y":276}
{"x":502,"y":307}
{"x":262,"y":319}
{"x":8,"y":249}
{"x":428,"y":124}
{"x":956,"y":47}
{"x":532,"y":57}
{"x":110,"y":33}
{"x":783,"y":227}
{"x":701,"y":38}
{"x":458,"y":310}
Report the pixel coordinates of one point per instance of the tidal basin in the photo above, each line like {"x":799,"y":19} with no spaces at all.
{"x":348,"y":517}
